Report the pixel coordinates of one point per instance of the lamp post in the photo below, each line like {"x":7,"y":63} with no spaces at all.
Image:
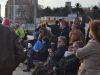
{"x":35,"y":10}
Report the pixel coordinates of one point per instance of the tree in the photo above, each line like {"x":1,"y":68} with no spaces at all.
{"x":95,"y":12}
{"x":48,"y":11}
{"x":77,"y":9}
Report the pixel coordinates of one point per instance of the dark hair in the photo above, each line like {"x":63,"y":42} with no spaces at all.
{"x":71,"y":22}
{"x":64,"y":23}
{"x":70,"y":44}
{"x":56,"y":22}
{"x":0,"y":21}
{"x":95,"y":29}
{"x":46,"y":39}
{"x":76,"y":25}
{"x":79,"y":43}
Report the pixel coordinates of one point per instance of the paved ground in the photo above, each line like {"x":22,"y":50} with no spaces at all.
{"x":19,"y":70}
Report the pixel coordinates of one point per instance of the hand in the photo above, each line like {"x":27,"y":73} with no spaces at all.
{"x":54,"y":68}
{"x":45,"y":63}
{"x":37,"y":50}
{"x":49,"y":50}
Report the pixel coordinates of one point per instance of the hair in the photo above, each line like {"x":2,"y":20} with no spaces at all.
{"x":76,"y":20}
{"x":63,"y":38}
{"x":46,"y":39}
{"x":71,"y":22}
{"x":42,"y":28}
{"x":77,"y":35}
{"x":79,"y":43}
{"x":64,"y":23}
{"x":70,"y":44}
{"x":95,"y":29}
{"x":57,"y":22}
{"x":76,"y":25}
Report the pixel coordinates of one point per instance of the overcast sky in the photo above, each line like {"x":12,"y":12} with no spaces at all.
{"x":56,"y":3}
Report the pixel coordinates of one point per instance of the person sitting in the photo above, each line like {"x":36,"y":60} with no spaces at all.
{"x":36,"y":44}
{"x":54,"y":57}
{"x":40,"y":55}
{"x":69,"y":64}
{"x":45,"y":32}
{"x":35,"y":36}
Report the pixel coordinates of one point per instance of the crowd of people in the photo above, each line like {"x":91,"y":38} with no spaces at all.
{"x":64,"y":49}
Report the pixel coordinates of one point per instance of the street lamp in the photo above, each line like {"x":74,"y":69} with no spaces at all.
{"x":35,"y":10}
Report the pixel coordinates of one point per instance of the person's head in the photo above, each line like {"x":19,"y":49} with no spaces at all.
{"x":61,"y":41}
{"x":76,"y":20}
{"x":70,"y":47}
{"x":77,"y":45}
{"x":0,"y":21}
{"x":36,"y":34}
{"x":57,"y":22}
{"x":20,"y":23}
{"x":95,"y":29}
{"x":6,"y":22}
{"x":70,"y":24}
{"x":45,"y":40}
{"x":75,"y":26}
{"x":77,"y":35}
{"x":17,"y":25}
{"x":13,"y":27}
{"x":42,"y":30}
{"x":63,"y":24}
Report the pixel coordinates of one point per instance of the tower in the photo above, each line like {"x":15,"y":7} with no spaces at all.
{"x":68,"y":5}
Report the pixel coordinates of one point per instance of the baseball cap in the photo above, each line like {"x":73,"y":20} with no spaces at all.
{"x":36,"y":33}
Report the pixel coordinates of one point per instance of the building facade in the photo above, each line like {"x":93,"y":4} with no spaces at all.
{"x":16,"y":10}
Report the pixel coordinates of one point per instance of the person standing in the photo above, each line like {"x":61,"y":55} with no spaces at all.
{"x":11,"y":51}
{"x":90,"y":54}
{"x":64,"y":30}
{"x":19,"y":31}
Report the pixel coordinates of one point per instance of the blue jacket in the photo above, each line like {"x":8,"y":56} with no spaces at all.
{"x":37,"y":46}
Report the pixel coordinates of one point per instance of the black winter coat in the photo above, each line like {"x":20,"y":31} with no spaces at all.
{"x":55,"y":57}
{"x":55,"y":29}
{"x":68,"y":65}
{"x":65,"y":32}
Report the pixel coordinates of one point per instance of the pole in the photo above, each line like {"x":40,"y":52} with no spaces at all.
{"x":35,"y":10}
